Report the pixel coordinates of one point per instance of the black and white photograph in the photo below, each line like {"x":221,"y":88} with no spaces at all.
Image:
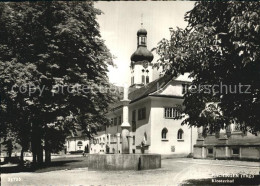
{"x":129,"y":93}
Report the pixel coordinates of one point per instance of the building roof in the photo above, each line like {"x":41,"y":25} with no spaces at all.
{"x":245,"y":141}
{"x":149,"y":88}
{"x":141,"y":31}
{"x":142,"y":54}
{"x":144,"y":91}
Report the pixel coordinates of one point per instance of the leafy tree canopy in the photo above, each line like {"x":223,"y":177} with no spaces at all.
{"x":55,"y":49}
{"x":220,"y":45}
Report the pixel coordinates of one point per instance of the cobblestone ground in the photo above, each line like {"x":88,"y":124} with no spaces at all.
{"x":173,"y":172}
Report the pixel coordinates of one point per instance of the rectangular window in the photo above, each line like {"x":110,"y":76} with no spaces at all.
{"x":115,"y":121}
{"x":141,"y":114}
{"x":119,"y":120}
{"x":235,"y":151}
{"x":134,"y":115}
{"x":184,"y":88}
{"x":133,"y":120}
{"x":112,"y":121}
{"x":210,"y":151}
{"x":133,"y":140}
{"x":171,"y":113}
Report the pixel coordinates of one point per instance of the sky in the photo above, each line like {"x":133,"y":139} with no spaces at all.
{"x":121,"y":20}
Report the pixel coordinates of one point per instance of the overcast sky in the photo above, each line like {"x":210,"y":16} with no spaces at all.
{"x":122,"y":19}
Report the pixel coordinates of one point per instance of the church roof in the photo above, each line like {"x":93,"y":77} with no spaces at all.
{"x":144,"y":91}
{"x":142,"y":31}
{"x":142,"y":54}
{"x":149,"y":88}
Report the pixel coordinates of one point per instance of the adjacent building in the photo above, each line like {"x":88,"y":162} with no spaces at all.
{"x":228,"y":144}
{"x":77,"y":143}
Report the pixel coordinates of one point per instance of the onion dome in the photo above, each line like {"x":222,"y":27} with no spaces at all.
{"x":142,"y":54}
{"x":141,"y":31}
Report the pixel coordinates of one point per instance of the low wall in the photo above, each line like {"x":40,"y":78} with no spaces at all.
{"x":250,"y":153}
{"x":221,"y":153}
{"x":197,"y":152}
{"x":246,"y":152}
{"x":123,"y":161}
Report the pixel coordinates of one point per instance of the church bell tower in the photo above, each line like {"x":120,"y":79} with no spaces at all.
{"x":141,"y":67}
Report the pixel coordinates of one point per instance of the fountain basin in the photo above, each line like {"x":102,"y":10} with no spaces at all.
{"x":123,"y":161}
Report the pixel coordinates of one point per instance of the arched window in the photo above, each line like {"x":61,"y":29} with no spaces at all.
{"x":143,"y":40}
{"x":164,"y":133}
{"x":80,"y":143}
{"x":180,"y":134}
{"x":143,"y":78}
{"x":147,"y":79}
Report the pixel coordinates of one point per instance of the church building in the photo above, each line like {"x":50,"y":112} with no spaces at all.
{"x":154,"y":111}
{"x":154,"y":115}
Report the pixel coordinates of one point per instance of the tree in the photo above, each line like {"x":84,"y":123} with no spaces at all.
{"x":220,"y":46}
{"x":15,"y":108}
{"x":61,"y":43}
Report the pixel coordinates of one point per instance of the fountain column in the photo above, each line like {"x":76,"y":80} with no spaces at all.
{"x":125,"y":125}
{"x":118,"y":140}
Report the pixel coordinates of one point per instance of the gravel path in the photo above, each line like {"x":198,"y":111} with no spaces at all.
{"x":173,"y":172}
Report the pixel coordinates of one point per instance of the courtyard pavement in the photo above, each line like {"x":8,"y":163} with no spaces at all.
{"x":173,"y":172}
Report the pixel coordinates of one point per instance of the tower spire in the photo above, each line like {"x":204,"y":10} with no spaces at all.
{"x":142,"y":20}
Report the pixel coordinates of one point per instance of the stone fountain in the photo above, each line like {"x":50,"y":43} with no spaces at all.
{"x":124,"y":161}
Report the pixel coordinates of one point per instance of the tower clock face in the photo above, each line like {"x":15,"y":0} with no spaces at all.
{"x":145,"y":64}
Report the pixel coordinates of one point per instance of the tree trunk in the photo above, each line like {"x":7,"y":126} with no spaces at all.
{"x":9,"y":146}
{"x":47,"y":156}
{"x":9,"y":154}
{"x":33,"y":147}
{"x":39,"y":153}
{"x":34,"y":158}
{"x":22,"y":157}
{"x":37,"y":148}
{"x":47,"y":152}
